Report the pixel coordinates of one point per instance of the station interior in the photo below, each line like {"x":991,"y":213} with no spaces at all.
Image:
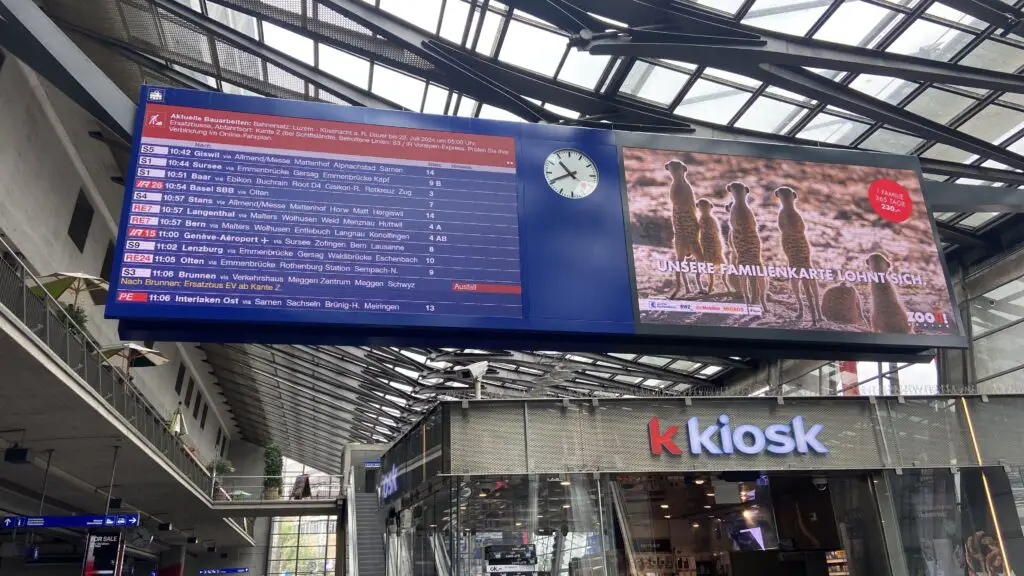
{"x":249,"y":442}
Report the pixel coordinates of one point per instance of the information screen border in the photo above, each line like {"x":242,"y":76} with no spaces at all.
{"x":786,"y":152}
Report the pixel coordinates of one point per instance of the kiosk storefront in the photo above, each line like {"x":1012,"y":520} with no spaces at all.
{"x":710,"y":486}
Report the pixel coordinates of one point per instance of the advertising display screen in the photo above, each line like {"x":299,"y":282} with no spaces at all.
{"x":256,"y":219}
{"x":757,"y":242}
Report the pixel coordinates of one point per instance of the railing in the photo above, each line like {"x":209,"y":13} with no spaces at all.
{"x":47,"y":319}
{"x":230,"y":488}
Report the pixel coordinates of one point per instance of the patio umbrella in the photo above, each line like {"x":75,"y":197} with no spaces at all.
{"x":131,"y":355}
{"x":177,"y":424}
{"x":77,"y":283}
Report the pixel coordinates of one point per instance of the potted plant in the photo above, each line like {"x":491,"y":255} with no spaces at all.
{"x":218,"y":468}
{"x":273,"y":465}
{"x":76,"y":318}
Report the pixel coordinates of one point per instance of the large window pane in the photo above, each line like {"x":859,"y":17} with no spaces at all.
{"x":998,"y":352}
{"x":997,"y":308}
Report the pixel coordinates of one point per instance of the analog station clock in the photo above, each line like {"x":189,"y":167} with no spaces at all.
{"x":571,"y":173}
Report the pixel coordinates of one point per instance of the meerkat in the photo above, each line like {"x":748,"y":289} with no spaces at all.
{"x":798,"y":252}
{"x":685,"y":228}
{"x":710,"y":239}
{"x":887,"y":312}
{"x":841,"y":304}
{"x":732,"y":281}
{"x":746,"y":243}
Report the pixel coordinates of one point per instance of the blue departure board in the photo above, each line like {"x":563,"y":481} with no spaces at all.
{"x":249,"y":210}
{"x":265,"y":220}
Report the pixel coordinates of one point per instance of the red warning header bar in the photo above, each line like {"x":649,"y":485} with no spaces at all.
{"x":303,"y":134}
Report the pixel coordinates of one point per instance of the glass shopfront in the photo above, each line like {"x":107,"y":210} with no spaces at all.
{"x":869,"y":487}
{"x":731,"y":524}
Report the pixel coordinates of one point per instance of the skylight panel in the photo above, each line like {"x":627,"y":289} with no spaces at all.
{"x":712,"y":102}
{"x":289,"y":42}
{"x":347,"y":67}
{"x":891,"y":141}
{"x":832,"y":129}
{"x":938,"y":105}
{"x":453,"y":23}
{"x":654,"y":83}
{"x":855,"y":23}
{"x":582,"y":69}
{"x":793,"y":17}
{"x":929,"y":40}
{"x":397,"y":87}
{"x":423,"y":14}
{"x":769,"y":115}
{"x":529,"y":47}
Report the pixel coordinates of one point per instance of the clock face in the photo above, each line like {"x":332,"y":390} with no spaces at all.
{"x":571,"y":173}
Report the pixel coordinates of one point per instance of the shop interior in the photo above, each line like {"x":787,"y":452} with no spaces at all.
{"x":723,"y":524}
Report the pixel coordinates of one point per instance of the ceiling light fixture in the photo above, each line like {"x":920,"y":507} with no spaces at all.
{"x":696,"y":524}
{"x":698,"y":481}
{"x":664,"y":505}
{"x":668,"y":515}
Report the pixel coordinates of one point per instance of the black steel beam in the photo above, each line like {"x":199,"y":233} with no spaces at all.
{"x":993,"y":12}
{"x":958,"y":170}
{"x":344,"y":90}
{"x":949,"y":197}
{"x":791,"y":51}
{"x":28,"y":34}
{"x":820,"y":88}
{"x":954,"y":235}
{"x":510,"y":78}
{"x":130,"y":53}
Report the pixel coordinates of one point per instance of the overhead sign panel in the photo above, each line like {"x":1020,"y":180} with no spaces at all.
{"x":84,"y":521}
{"x":268,"y":220}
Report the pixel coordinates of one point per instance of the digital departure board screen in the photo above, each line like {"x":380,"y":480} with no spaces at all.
{"x":252,"y":219}
{"x":233,"y":209}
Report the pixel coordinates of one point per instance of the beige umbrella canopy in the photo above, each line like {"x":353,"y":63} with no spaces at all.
{"x":131,"y":355}
{"x":77,"y":283}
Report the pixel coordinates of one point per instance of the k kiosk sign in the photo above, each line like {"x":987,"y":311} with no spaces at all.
{"x":724,"y":437}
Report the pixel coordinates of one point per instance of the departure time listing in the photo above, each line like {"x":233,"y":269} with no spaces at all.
{"x":246,"y":210}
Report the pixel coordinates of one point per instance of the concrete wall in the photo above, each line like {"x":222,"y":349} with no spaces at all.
{"x":255,"y":558}
{"x":247,"y":458}
{"x":46,"y":157}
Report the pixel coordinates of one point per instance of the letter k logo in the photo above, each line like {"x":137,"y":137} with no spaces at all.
{"x":662,"y":440}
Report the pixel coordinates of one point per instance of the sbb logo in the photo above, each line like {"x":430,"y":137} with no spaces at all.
{"x":721,"y":438}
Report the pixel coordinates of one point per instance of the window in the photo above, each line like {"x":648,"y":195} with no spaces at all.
{"x":224,"y":448}
{"x":199,"y":404}
{"x":219,"y":434}
{"x":188,"y":393}
{"x":81,"y":221}
{"x":108,"y":262}
{"x":202,"y":422}
{"x":181,"y":379}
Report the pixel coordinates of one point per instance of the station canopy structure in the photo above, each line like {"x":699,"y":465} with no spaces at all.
{"x":937,"y":79}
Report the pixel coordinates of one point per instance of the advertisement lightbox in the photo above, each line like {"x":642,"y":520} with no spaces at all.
{"x":781,"y":244}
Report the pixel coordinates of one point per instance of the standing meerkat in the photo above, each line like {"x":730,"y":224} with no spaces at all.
{"x":746,"y":243}
{"x":887,"y":312}
{"x":841,"y":304}
{"x":685,"y":229}
{"x":798,"y":252}
{"x":710,"y":239}
{"x":732,"y":281}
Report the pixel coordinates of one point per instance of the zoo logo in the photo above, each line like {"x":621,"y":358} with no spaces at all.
{"x":933,"y":317}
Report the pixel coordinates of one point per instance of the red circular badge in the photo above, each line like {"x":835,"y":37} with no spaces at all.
{"x":890,"y":200}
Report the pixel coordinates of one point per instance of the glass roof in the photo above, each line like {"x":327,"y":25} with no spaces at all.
{"x":421,"y":55}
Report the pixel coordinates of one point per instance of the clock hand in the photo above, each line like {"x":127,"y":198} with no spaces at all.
{"x":557,"y":178}
{"x":567,"y":171}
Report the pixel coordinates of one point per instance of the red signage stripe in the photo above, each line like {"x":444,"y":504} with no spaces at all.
{"x":487,"y":288}
{"x":307,"y":135}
